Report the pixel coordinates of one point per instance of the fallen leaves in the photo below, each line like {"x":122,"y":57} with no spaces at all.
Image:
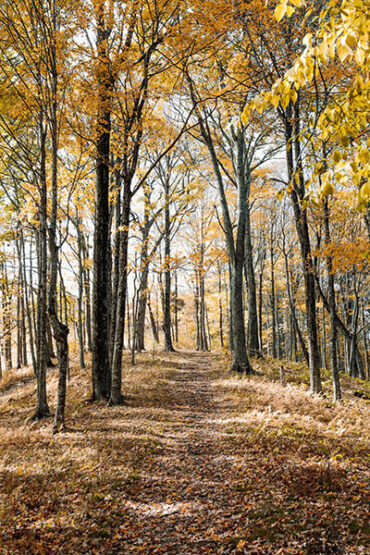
{"x":193,"y":464}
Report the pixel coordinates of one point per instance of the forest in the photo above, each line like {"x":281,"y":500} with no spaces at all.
{"x":184,"y":276}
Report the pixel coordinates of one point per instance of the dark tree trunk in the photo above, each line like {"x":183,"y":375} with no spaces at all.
{"x":175,"y":308}
{"x":168,"y":347}
{"x":42,"y":408}
{"x":101,"y":371}
{"x":116,"y":397}
{"x":272,"y":297}
{"x":60,"y":330}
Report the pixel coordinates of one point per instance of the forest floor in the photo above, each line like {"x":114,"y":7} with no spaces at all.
{"x":197,"y":461}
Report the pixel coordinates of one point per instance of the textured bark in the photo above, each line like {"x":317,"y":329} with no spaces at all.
{"x":42,"y":351}
{"x":101,"y":372}
{"x":116,"y":397}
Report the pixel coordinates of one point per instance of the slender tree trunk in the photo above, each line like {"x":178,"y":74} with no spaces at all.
{"x":116,"y":259}
{"x":272,"y":297}
{"x":22,"y":257}
{"x":364,"y":339}
{"x":337,"y":394}
{"x":168,"y":347}
{"x":176,"y":309}
{"x":293,"y":314}
{"x":253,"y":335}
{"x":60,"y":330}
{"x":196,"y":309}
{"x":142,"y":303}
{"x":153,"y":323}
{"x":220,"y":314}
{"x":80,"y":332}
{"x":116,"y":397}
{"x":87,"y":297}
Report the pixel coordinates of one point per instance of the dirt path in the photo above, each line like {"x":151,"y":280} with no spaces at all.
{"x":181,"y":492}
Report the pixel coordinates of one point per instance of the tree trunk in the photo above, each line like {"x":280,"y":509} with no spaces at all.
{"x":60,"y":330}
{"x":253,"y":336}
{"x":42,"y":408}
{"x":168,"y":347}
{"x":220,"y":314}
{"x":101,"y":371}
{"x":153,"y":323}
{"x":116,"y":397}
{"x":337,"y":394}
{"x":81,"y":343}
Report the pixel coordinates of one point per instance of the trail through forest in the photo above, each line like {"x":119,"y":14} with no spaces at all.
{"x":196,"y":462}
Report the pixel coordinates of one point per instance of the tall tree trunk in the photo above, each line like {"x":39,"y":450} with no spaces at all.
{"x":81,"y":277}
{"x":196,"y":311}
{"x":253,"y":336}
{"x":60,"y":330}
{"x":116,"y":397}
{"x":272,"y":297}
{"x":87,"y":296}
{"x":220,"y":314}
{"x":42,"y":408}
{"x":168,"y":347}
{"x":337,"y":394}
{"x":116,"y":257}
{"x":175,"y":308}
{"x":101,"y":370}
{"x":22,"y":258}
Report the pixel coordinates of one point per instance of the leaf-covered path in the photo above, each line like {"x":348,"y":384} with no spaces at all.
{"x":196,"y":462}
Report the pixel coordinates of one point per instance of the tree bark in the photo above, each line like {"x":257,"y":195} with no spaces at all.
{"x":101,"y":370}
